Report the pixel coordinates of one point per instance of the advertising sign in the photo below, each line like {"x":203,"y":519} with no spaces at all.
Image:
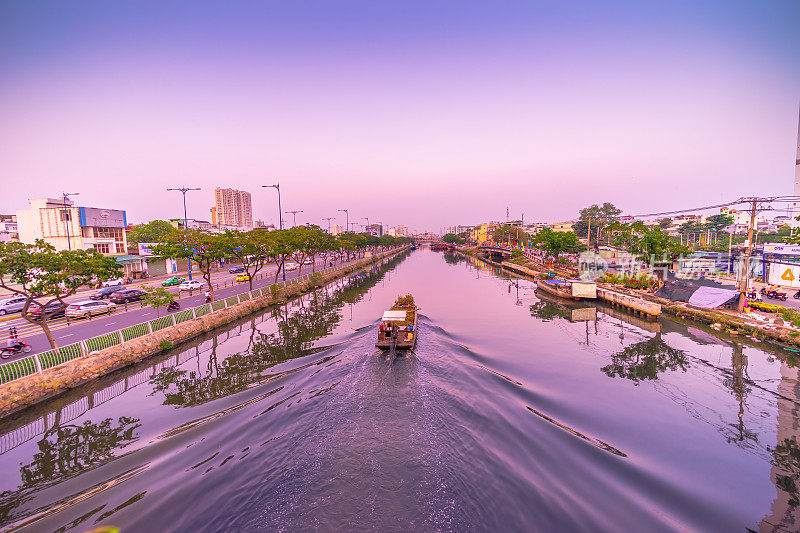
{"x":101,"y":218}
{"x":782,"y":249}
{"x":783,"y":274}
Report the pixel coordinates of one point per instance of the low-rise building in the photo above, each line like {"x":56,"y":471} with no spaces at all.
{"x":67,"y":227}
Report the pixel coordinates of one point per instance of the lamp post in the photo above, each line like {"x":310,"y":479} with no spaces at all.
{"x":367,"y":219}
{"x":347,"y":219}
{"x":67,"y":215}
{"x":329,"y":222}
{"x":277,"y":187}
{"x":184,"y":190}
{"x":294,"y":216}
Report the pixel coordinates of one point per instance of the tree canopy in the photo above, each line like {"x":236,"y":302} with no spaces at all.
{"x":154,"y":231}
{"x":555,"y":243}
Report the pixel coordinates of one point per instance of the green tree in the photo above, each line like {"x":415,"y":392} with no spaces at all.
{"x":201,"y":247}
{"x":509,"y":233}
{"x":649,"y":243}
{"x":719,"y":222}
{"x":252,"y":249}
{"x":158,"y":297}
{"x":154,"y":231}
{"x":554,"y":243}
{"x":664,"y":223}
{"x":43,"y":276}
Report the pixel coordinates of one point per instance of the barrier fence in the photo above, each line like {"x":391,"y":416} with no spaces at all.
{"x":34,"y":364}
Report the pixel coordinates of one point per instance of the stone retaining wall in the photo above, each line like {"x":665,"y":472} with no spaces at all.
{"x":36,"y":388}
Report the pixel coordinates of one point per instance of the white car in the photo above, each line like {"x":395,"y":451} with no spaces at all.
{"x":289,"y":265}
{"x":88,"y":308}
{"x":113,"y":282}
{"x":190,"y":285}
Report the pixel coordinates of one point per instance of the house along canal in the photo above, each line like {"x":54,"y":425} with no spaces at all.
{"x":516,"y":412}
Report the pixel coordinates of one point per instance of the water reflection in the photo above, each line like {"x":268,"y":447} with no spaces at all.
{"x":66,"y":449}
{"x":644,"y":360}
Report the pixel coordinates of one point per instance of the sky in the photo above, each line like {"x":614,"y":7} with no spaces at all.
{"x":426,"y":114}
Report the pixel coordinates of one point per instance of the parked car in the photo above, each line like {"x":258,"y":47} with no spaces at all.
{"x":290,"y":265}
{"x":191,"y":285}
{"x":236,"y":269}
{"x":114,"y":282}
{"x":176,"y":280}
{"x":53,"y":310}
{"x":106,"y":292}
{"x":127,"y":295}
{"x":243,"y":277}
{"x":11,"y":305}
{"x":89,"y":308}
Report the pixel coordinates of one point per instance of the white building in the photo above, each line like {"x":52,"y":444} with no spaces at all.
{"x":336,"y":229}
{"x":402,"y":231}
{"x":232,"y":208}
{"x":66,"y":227}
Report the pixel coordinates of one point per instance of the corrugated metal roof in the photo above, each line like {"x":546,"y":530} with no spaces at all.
{"x":394,"y":316}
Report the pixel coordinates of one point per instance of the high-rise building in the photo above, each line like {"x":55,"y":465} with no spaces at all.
{"x":336,"y":229}
{"x":402,"y":231}
{"x":233,"y":208}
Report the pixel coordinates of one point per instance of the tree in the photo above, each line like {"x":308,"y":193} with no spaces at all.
{"x":554,"y":243}
{"x":43,"y":276}
{"x":158,"y":297}
{"x":155,"y":231}
{"x":595,"y":217}
{"x":719,"y":222}
{"x":649,"y":243}
{"x":205,"y":249}
{"x":253,"y":249}
{"x":664,"y":223}
{"x":509,"y":233}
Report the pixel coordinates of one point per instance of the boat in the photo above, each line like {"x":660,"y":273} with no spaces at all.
{"x":402,"y":315}
{"x":572,"y":289}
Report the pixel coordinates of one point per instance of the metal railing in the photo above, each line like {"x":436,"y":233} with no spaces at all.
{"x":34,"y":364}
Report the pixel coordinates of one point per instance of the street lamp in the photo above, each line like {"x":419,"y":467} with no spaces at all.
{"x":294,"y":216}
{"x":277,"y":187}
{"x":347,"y":218}
{"x":67,"y":215}
{"x":184,"y":190}
{"x":329,"y":222}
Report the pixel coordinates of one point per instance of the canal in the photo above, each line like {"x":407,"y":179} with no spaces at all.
{"x":515,"y":413}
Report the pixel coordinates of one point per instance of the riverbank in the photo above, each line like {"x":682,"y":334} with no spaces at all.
{"x":48,"y":383}
{"x":735,"y":324}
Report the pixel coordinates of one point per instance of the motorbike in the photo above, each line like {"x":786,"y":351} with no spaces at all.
{"x":797,"y":295}
{"x":775,"y":295}
{"x":20,"y":347}
{"x":208,"y":298}
{"x":173,"y":306}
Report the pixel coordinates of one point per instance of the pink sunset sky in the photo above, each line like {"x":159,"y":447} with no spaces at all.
{"x":420,"y":114}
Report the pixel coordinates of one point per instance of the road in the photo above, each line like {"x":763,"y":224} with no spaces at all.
{"x":68,"y":332}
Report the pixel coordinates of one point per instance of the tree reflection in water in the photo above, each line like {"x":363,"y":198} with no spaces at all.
{"x":65,"y":451}
{"x":644,"y":360}
{"x":453,"y":258}
{"x":547,"y":311}
{"x":297,"y":332}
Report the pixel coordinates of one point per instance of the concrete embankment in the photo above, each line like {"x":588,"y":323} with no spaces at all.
{"x":644,"y":303}
{"x":34,"y":389}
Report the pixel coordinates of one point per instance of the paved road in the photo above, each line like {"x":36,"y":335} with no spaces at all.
{"x":77,"y":330}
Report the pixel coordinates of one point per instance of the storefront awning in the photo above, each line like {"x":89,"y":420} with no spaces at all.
{"x":126,"y":259}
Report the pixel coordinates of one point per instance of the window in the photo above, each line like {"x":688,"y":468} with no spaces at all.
{"x":120,"y":248}
{"x":65,"y":215}
{"x":101,"y":247}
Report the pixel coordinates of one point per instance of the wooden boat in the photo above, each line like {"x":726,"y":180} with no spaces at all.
{"x":404,"y":317}
{"x":570,"y":289}
{"x":557,"y":287}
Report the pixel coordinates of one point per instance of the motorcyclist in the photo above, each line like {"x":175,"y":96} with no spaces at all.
{"x":207,"y":294}
{"x":173,"y":305}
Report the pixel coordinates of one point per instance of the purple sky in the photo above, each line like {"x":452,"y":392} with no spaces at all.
{"x":419,"y":113}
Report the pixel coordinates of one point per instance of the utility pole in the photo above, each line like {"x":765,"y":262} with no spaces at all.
{"x":184,"y":190}
{"x":67,"y":215}
{"x":744,"y":267}
{"x":367,"y":219}
{"x":277,"y":187}
{"x":294,"y":216}
{"x":347,"y":219}
{"x":329,"y":222}
{"x":353,"y":226}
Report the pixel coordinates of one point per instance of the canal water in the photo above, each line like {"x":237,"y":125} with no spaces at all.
{"x":516,"y":412}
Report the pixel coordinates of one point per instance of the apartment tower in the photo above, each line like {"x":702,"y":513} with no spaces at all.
{"x":233,"y":208}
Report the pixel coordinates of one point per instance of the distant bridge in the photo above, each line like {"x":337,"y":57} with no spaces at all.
{"x":494,"y":252}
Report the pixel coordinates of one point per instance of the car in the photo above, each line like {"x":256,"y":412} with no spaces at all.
{"x":127,"y":295}
{"x":176,"y":280}
{"x":114,"y":282}
{"x":191,"y":285}
{"x":243,"y":277}
{"x":236,"y":269}
{"x":106,"y":292}
{"x":290,"y":265}
{"x":53,"y":310}
{"x":88,"y":308}
{"x":11,"y":305}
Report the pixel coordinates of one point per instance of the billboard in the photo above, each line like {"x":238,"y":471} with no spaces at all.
{"x":102,"y":218}
{"x":783,"y":274}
